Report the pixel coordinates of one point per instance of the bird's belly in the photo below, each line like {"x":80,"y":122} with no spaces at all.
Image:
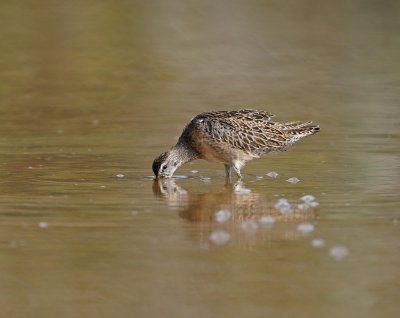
{"x":209,"y":153}
{"x":221,"y":152}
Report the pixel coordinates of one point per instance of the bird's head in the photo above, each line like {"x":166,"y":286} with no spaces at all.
{"x":165,"y":164}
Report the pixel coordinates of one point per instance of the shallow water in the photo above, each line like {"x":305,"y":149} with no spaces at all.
{"x":91,"y":92}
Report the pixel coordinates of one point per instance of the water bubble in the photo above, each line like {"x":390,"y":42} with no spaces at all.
{"x":222,"y":216}
{"x":205,"y":179}
{"x":307,"y":198}
{"x":43,"y":225}
{"x":282,"y":202}
{"x":259,"y":177}
{"x":318,"y":242}
{"x":293,"y":180}
{"x":134,"y":212}
{"x":272,"y":174}
{"x":194,"y":171}
{"x":238,"y":188}
{"x":242,"y":191}
{"x":338,"y":252}
{"x":249,"y":226}
{"x":284,"y":206}
{"x":267,"y":220}
{"x":303,"y":206}
{"x":305,"y":228}
{"x":220,"y":237}
{"x":120,"y":175}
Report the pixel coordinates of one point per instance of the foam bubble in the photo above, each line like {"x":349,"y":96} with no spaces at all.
{"x":267,"y":220}
{"x":284,"y":206}
{"x":43,"y":225}
{"x":220,"y":237}
{"x":222,"y":216}
{"x":338,"y":252}
{"x":305,"y":227}
{"x":272,"y":174}
{"x":318,"y":242}
{"x":293,"y":180}
{"x":249,"y":226}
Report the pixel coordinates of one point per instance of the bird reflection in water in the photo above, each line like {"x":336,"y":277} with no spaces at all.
{"x":241,"y":202}
{"x":234,"y":211}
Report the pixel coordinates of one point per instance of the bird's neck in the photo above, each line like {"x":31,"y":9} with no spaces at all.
{"x":183,"y":152}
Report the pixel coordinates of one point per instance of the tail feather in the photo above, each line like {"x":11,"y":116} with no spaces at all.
{"x":301,"y":130}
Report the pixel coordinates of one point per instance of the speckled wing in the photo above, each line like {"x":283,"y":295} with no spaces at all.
{"x":247,"y":130}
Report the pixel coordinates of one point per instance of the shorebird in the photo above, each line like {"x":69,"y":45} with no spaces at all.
{"x":231,"y":137}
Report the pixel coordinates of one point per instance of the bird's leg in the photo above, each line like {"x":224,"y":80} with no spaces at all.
{"x":236,"y":167}
{"x":228,"y":170}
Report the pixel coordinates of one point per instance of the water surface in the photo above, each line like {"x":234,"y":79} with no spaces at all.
{"x":91,"y":92}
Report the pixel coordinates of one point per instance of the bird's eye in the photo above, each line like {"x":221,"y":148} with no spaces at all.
{"x":164,"y":167}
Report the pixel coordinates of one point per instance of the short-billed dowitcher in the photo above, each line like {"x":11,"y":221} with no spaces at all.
{"x":232,"y":137}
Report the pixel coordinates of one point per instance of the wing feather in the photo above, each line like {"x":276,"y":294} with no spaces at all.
{"x":248,"y":130}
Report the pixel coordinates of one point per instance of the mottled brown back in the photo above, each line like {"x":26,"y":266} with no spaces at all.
{"x":248,"y":130}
